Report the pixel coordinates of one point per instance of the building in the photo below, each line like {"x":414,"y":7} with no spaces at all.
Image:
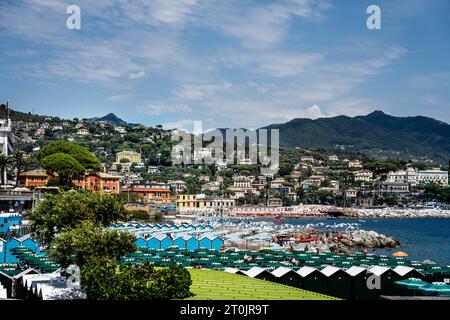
{"x":307,"y":159}
{"x":274,"y":202}
{"x":364,"y":175}
{"x":178,"y":186}
{"x":200,"y":201}
{"x":333,"y":158}
{"x":243,"y":182}
{"x":211,"y":186}
{"x":131,"y":156}
{"x":351,"y":193}
{"x":34,"y":178}
{"x":415,"y":177}
{"x":157,"y":193}
{"x":397,"y":176}
{"x":17,"y":200}
{"x":120,"y":129}
{"x":314,"y":180}
{"x":394,"y":187}
{"x":355,"y":164}
{"x":9,"y":222}
{"x":6,"y":139}
{"x":435,"y":176}
{"x":153,"y":169}
{"x":98,"y":182}
{"x":83,"y":132}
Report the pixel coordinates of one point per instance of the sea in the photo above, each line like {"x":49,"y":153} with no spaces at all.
{"x":422,"y":239}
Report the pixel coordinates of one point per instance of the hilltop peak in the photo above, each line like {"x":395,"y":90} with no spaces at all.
{"x":111,"y":119}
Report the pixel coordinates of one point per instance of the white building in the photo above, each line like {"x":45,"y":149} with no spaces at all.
{"x":364,"y":175}
{"x":417,"y":177}
{"x":435,"y":176}
{"x":83,"y":132}
{"x":6,"y":139}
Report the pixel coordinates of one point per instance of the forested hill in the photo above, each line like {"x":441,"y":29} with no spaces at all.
{"x":374,"y":133}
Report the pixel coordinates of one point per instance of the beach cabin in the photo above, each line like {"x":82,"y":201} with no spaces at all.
{"x":205,"y":243}
{"x":191,"y":243}
{"x":180,"y":242}
{"x":19,"y":291}
{"x":360,"y":291}
{"x":313,"y":279}
{"x":338,"y":282}
{"x":29,"y":243}
{"x":288,"y":277}
{"x":217,"y":243}
{"x":166,"y":242}
{"x":200,"y":227}
{"x":387,"y":277}
{"x":2,"y":250}
{"x":407,"y":272}
{"x":113,"y":226}
{"x":141,"y":242}
{"x":260,"y":273}
{"x":12,"y":244}
{"x":209,"y":227}
{"x":182,"y":227}
{"x":153,"y":243}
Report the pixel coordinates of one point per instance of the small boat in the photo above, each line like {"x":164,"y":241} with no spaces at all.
{"x":278,"y":221}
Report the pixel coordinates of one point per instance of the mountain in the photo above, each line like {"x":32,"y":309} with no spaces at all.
{"x":377,"y":133}
{"x":111,"y":119}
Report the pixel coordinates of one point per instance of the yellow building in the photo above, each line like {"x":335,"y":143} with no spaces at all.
{"x":132,"y":156}
{"x":192,"y":201}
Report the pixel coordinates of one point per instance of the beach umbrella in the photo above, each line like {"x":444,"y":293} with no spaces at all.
{"x":411,"y":283}
{"x":400,"y":254}
{"x":436,"y":289}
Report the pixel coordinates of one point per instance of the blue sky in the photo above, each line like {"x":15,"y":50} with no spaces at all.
{"x":228,"y":63}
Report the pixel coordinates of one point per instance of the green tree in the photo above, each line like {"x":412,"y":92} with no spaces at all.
{"x":19,"y":160}
{"x":110,"y":281}
{"x":60,"y":212}
{"x":5,"y":164}
{"x":88,"y":243}
{"x":80,"y":154}
{"x":64,"y":165}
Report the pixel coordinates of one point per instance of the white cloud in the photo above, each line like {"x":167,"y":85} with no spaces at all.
{"x":185,"y":124}
{"x":201,"y":91}
{"x":136,"y":75}
{"x":158,"y":108}
{"x":118,"y":97}
{"x":261,"y":24}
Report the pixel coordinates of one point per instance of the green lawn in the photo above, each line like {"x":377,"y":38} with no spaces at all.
{"x":220,"y":285}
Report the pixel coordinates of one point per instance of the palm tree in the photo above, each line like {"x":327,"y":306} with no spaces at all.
{"x":19,"y":160}
{"x":5,"y":163}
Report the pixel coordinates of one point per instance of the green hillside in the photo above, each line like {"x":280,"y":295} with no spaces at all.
{"x":416,"y":136}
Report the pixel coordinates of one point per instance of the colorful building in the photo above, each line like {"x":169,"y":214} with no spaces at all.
{"x":192,"y":201}
{"x":158,"y":193}
{"x":34,"y":178}
{"x":98,"y":182}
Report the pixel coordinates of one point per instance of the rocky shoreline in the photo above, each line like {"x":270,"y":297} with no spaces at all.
{"x":397,"y":213}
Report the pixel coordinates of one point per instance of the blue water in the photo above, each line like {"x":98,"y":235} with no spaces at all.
{"x":421,"y":238}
